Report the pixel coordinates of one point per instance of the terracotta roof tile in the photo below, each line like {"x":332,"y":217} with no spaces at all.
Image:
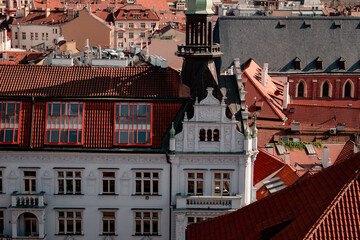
{"x":131,"y":12}
{"x":312,"y":206}
{"x":265,"y":164}
{"x":346,"y":152}
{"x":20,"y":57}
{"x":38,"y":17}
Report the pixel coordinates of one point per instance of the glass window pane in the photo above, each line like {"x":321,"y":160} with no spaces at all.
{"x":10,"y":108}
{"x":142,"y":110}
{"x":146,"y":186}
{"x":72,"y":136}
{"x":74,"y":107}
{"x":54,"y":136}
{"x":9,"y":135}
{"x":146,"y":226}
{"x":191,"y":187}
{"x":124,"y":110}
{"x":141,"y":137}
{"x":56,"y":109}
{"x":138,"y":226}
{"x":123,"y":137}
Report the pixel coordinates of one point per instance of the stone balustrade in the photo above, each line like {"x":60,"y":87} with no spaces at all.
{"x":208,"y":202}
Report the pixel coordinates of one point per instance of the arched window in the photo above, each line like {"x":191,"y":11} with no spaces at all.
{"x":202,"y":134}
{"x":216,"y":135}
{"x":300,"y":89}
{"x":325,"y":90}
{"x":209,"y":135}
{"x":347,"y":92}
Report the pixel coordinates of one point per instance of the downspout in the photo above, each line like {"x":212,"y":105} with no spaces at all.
{"x":170,"y":190}
{"x":32,"y":121}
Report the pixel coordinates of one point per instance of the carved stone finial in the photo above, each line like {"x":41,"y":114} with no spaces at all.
{"x":172,"y":131}
{"x":185,"y":117}
{"x":254,"y":130}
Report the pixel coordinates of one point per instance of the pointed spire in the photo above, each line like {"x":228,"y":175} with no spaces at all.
{"x":172,"y":131}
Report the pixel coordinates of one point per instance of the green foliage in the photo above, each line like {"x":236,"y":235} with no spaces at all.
{"x":298,"y":145}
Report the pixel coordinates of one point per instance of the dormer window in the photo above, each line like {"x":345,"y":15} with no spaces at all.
{"x":64,"y":123}
{"x":341,"y":63}
{"x":319,"y":63}
{"x":133,"y":123}
{"x":297,"y":63}
{"x":9,"y":122}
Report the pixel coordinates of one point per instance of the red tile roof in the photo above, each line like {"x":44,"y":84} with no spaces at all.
{"x":324,"y":116}
{"x":130,"y":12}
{"x":272,"y":94}
{"x":38,"y":17}
{"x":50,"y":81}
{"x":20,"y":57}
{"x":265,"y":164}
{"x":347,"y":151}
{"x":323,"y":206}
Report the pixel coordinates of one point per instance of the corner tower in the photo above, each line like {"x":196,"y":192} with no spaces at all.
{"x":199,"y":50}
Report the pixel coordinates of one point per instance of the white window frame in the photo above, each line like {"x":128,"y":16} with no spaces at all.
{"x":107,"y":179}
{"x":106,"y":218}
{"x":222,"y":180}
{"x":31,"y":179}
{"x":2,"y":219}
{"x":144,"y":178}
{"x":195,"y":179}
{"x":64,"y":178}
{"x":140,"y":216}
{"x":74,"y":218}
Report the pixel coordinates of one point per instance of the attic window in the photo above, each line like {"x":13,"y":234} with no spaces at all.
{"x":280,"y":149}
{"x":307,"y":24}
{"x":310,"y":149}
{"x":341,"y":63}
{"x":319,"y":63}
{"x":11,"y":58}
{"x":297,"y":63}
{"x":281,"y":24}
{"x":9,"y":122}
{"x":337,"y":24}
{"x":136,"y":16}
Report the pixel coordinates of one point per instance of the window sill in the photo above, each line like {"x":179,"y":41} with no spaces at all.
{"x":143,"y":235}
{"x":108,"y":194}
{"x":108,"y":234}
{"x":68,"y":194}
{"x":147,"y":195}
{"x":71,"y":234}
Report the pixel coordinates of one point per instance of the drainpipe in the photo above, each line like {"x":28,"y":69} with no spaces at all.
{"x":32,"y":121}
{"x":170,"y":190}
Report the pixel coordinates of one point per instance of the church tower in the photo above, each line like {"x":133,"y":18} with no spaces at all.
{"x":199,"y":50}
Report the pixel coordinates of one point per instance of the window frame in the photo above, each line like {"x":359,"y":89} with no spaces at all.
{"x":32,"y":181}
{"x":108,"y":179}
{"x":132,"y":129}
{"x":108,"y":219}
{"x":151,"y":220}
{"x":65,"y":218}
{"x":65,"y":180}
{"x":142,"y":192}
{"x":61,"y":126}
{"x":222,"y":180}
{"x":18,"y":105}
{"x":2,"y":222}
{"x":195,"y":180}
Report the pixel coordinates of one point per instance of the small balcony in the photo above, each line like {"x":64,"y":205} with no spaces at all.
{"x":22,"y":200}
{"x":208,"y":202}
{"x":199,"y":50}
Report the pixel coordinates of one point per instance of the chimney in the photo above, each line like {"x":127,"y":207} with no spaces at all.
{"x":47,"y":12}
{"x":325,"y":157}
{"x":26,"y":11}
{"x":70,"y":14}
{"x":287,"y":157}
{"x":286,"y":95}
{"x":264,"y":74}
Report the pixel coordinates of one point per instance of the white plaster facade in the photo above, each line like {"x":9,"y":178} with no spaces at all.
{"x":92,"y":202}
{"x":220,"y":168}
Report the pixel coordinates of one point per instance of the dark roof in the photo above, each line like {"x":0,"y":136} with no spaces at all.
{"x":323,"y":206}
{"x":280,"y":40}
{"x":50,"y":81}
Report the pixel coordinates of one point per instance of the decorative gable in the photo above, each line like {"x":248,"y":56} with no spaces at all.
{"x":209,"y":130}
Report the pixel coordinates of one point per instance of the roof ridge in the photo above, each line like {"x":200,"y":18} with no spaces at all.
{"x":333,"y":204}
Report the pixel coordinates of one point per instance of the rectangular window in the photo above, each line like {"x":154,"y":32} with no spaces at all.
{"x":221,"y":184}
{"x":147,"y":183}
{"x":142,"y":35}
{"x":131,"y":35}
{"x":1,"y":222}
{"x":131,"y":25}
{"x":32,"y":36}
{"x":133,"y":123}
{"x":43,"y":36}
{"x":191,"y":220}
{"x":70,"y":222}
{"x":153,"y":25}
{"x":108,"y":223}
{"x":108,"y":182}
{"x":146,"y":223}
{"x":16,"y":35}
{"x":47,"y":36}
{"x":142,"y":25}
{"x":9,"y":122}
{"x":120,"y":35}
{"x":23,"y":34}
{"x":29,"y":181}
{"x":69,"y":182}
{"x":120,"y":25}
{"x":36,"y":36}
{"x":64,"y":123}
{"x":195,"y":183}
